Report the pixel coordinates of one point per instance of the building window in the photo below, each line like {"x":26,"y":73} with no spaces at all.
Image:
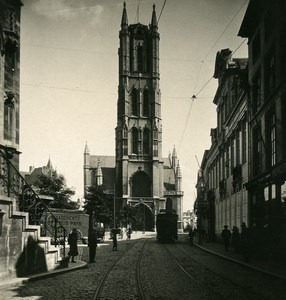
{"x":134,"y":103}
{"x":125,"y":132}
{"x":146,"y":141}
{"x":237,"y":146}
{"x":146,"y":103}
{"x":256,"y":47}
{"x":8,"y":122}
{"x":227,"y":162}
{"x":269,"y":72}
{"x":244,"y":142}
{"x":134,"y":140}
{"x":257,"y":150}
{"x":270,"y":133}
{"x":125,"y":147}
{"x":256,"y":93}
{"x":155,"y":133}
{"x":155,"y":148}
{"x":232,"y":153}
{"x":140,"y":58}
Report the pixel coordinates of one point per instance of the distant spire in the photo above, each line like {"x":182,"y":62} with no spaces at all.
{"x":178,"y":171}
{"x":124,"y":19}
{"x":49,"y":164}
{"x":174,"y":159}
{"x":154,"y":22}
{"x":174,"y":154}
{"x":86,"y":150}
{"x":98,"y":173}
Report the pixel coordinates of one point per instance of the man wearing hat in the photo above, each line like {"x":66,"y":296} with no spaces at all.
{"x":226,"y":234}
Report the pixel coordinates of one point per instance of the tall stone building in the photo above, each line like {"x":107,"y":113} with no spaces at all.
{"x":264,"y":26}
{"x":138,"y":173}
{"x":9,"y":77}
{"x":222,"y":195}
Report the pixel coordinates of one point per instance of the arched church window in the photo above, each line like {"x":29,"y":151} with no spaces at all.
{"x":155,"y":145}
{"x":125,"y":132}
{"x":155,"y":133}
{"x":134,"y":103}
{"x":169,"y":204}
{"x":140,"y":58}
{"x":141,"y":185}
{"x":146,"y":103}
{"x":146,"y":141}
{"x":134,"y":140}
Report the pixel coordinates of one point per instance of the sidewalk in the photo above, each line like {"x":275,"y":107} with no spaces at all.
{"x":14,"y":282}
{"x":80,"y":263}
{"x":272,"y":267}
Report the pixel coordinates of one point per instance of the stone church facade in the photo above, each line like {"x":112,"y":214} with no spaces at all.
{"x":138,"y":173}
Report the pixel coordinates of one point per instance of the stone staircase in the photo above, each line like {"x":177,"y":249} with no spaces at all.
{"x":15,"y":232}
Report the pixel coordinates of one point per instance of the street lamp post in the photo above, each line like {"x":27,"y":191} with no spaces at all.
{"x":114,"y":219}
{"x":201,"y":208}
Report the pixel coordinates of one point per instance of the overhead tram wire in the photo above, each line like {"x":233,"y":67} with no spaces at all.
{"x":208,"y":53}
{"x":186,"y":123}
{"x":225,"y":30}
{"x":161,"y":11}
{"x":193,"y":98}
{"x":239,"y":46}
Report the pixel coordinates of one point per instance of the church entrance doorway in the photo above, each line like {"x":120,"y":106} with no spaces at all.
{"x":144,"y":218}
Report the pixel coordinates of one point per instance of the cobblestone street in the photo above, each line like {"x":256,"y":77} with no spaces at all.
{"x":146,"y":269}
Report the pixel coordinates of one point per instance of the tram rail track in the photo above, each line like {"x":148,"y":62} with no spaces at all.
{"x":206,"y":277}
{"x":140,"y":292}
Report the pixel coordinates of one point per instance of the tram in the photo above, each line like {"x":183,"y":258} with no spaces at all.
{"x":166,"y":225}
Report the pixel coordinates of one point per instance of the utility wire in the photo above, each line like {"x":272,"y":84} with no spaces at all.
{"x":225,"y":29}
{"x":202,"y":88}
{"x":186,"y":123}
{"x":239,"y":46}
{"x":161,"y":11}
{"x":196,"y":82}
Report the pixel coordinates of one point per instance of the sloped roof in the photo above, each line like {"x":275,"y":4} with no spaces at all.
{"x":106,"y":161}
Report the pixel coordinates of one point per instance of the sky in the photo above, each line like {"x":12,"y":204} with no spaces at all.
{"x":69,"y":78}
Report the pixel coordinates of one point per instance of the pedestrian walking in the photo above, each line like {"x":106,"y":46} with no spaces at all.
{"x":72,"y":241}
{"x":226,"y":235}
{"x":129,"y":231}
{"x":114,"y":239}
{"x":191,"y":236}
{"x":92,"y":244}
{"x":235,"y":237}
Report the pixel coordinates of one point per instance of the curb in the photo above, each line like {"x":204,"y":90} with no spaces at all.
{"x":243,"y":264}
{"x":15,"y":282}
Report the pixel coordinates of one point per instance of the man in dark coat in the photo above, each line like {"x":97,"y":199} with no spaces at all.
{"x":114,"y":239}
{"x":92,"y":244}
{"x":226,"y":234}
{"x":72,"y":240}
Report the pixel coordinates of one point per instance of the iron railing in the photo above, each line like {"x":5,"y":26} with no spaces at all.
{"x":13,"y":184}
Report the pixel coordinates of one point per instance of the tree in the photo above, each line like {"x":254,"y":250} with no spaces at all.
{"x":54,"y":184}
{"x":97,"y":204}
{"x":128,"y":215}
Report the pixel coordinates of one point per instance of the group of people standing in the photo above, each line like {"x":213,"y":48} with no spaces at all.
{"x":240,"y":241}
{"x":92,"y":243}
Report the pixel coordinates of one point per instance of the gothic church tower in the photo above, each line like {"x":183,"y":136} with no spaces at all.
{"x":139,"y":164}
{"x":138,"y":174}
